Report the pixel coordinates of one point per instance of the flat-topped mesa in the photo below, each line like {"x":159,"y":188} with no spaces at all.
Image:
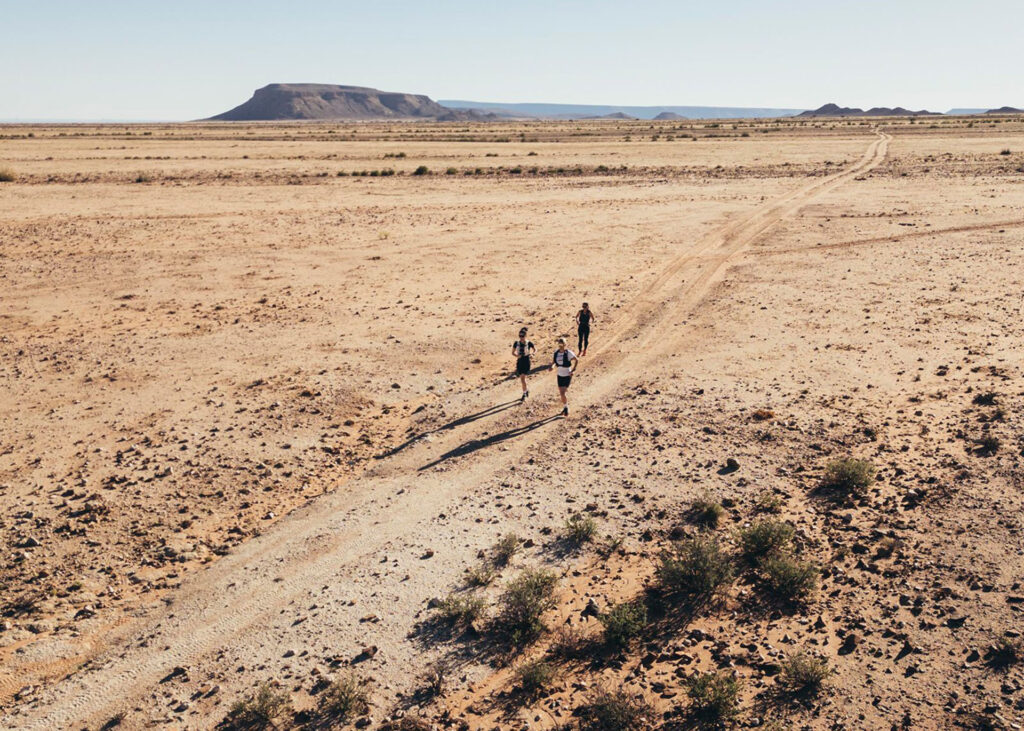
{"x":834,"y":110}
{"x":330,"y":101}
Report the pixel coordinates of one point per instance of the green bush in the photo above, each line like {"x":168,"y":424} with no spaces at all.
{"x":697,"y":568}
{"x":706,"y":510}
{"x":259,"y":710}
{"x":622,"y":623}
{"x":848,"y":477}
{"x":461,"y":610}
{"x":714,"y":696}
{"x":613,"y":710}
{"x":764,"y":538}
{"x":535,"y":676}
{"x":523,"y":602}
{"x":580,"y":529}
{"x":805,"y":673}
{"x":343,"y":699}
{"x":788,"y":579}
{"x":421,"y":170}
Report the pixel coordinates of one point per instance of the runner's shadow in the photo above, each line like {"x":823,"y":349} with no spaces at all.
{"x":474,"y":445}
{"x":513,"y":376}
{"x":489,"y":411}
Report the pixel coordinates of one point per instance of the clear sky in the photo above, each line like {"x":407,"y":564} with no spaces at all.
{"x":185,"y":59}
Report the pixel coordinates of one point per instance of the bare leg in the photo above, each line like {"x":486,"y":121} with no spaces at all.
{"x":561,"y":392}
{"x":522,"y":380}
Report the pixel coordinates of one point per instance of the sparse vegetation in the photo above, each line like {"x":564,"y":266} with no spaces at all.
{"x":764,"y":538}
{"x":768,"y":502}
{"x":506,"y":547}
{"x":421,"y":170}
{"x":570,"y":643}
{"x":714,"y":696}
{"x":523,"y":602}
{"x":482,"y":574}
{"x":344,"y":699}
{"x":1006,"y":652}
{"x":623,"y":623}
{"x":435,"y":678}
{"x":460,"y":610}
{"x":259,"y":710}
{"x":848,"y":477}
{"x":7,"y":175}
{"x":1005,"y":151}
{"x":613,"y":710}
{"x":580,"y":529}
{"x":143,"y":178}
{"x":989,"y":445}
{"x":535,"y":676}
{"x":788,"y":579}
{"x":804,"y":673}
{"x":706,"y":510}
{"x":697,"y":567}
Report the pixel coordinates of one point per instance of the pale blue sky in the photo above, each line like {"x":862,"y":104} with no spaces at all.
{"x":110,"y":59}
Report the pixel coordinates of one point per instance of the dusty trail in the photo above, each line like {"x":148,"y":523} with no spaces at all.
{"x":239,"y":600}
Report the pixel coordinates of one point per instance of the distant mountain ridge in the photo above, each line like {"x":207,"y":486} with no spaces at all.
{"x":1005,"y":110}
{"x":332,"y":101}
{"x":834,"y":110}
{"x":536,"y":110}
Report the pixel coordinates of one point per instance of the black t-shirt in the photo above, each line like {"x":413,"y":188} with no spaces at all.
{"x":585,"y":319}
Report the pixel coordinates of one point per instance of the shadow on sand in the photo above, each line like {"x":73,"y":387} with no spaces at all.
{"x":489,"y":411}
{"x":474,"y":445}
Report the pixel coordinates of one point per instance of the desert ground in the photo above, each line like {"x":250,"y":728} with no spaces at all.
{"x":259,"y":432}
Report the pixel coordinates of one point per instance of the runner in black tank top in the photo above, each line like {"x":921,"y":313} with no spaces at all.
{"x":583,"y":319}
{"x":522,"y":349}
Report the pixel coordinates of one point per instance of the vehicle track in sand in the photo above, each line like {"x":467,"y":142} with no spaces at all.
{"x":239,"y":599}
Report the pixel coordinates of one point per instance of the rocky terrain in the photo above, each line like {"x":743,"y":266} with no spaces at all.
{"x":262,"y":461}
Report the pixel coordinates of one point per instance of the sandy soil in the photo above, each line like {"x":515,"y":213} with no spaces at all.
{"x":256,"y":414}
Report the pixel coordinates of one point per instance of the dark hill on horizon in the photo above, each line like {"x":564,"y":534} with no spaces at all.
{"x":277,"y":102}
{"x":1005,"y":110}
{"x":834,"y":110}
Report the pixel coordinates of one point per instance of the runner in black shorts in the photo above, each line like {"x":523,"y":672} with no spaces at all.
{"x":565,"y":365}
{"x":522,"y":349}
{"x":583,"y":319}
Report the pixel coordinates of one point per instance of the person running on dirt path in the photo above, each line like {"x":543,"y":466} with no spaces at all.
{"x":583,"y":320}
{"x":565,"y":364}
{"x":522,"y":349}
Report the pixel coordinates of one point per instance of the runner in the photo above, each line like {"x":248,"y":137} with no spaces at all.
{"x":522,"y":349}
{"x":565,"y":364}
{"x":583,"y":319}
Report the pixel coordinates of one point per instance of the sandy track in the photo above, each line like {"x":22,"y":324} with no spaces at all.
{"x":235,"y":602}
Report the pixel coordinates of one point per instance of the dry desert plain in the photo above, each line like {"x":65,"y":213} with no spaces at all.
{"x":258,"y":428}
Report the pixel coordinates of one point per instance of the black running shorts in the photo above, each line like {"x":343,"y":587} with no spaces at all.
{"x":523,"y":365}
{"x":564,"y":381}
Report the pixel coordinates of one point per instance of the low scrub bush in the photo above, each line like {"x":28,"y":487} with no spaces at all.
{"x":697,"y":568}
{"x":623,"y":623}
{"x":259,"y":710}
{"x":788,"y":579}
{"x":535,"y":676}
{"x":613,"y":710}
{"x":580,"y":529}
{"x":421,"y":170}
{"x":707,"y":511}
{"x":1006,"y":652}
{"x":460,"y":609}
{"x":804,"y":673}
{"x":523,"y":603}
{"x":848,"y":477}
{"x":714,"y":696}
{"x":764,"y":538}
{"x":7,"y":175}
{"x":506,"y":547}
{"x":344,"y":699}
{"x":482,"y":574}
